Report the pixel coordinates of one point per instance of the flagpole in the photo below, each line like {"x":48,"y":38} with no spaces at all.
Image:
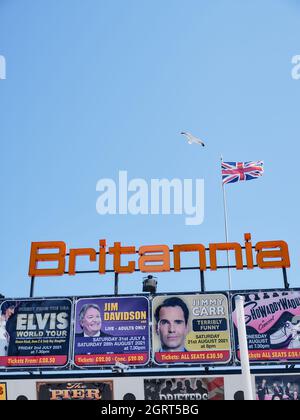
{"x":226,"y":230}
{"x":243,"y":344}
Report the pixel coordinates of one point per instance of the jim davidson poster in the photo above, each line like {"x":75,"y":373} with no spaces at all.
{"x":273,"y":326}
{"x":112,"y":330}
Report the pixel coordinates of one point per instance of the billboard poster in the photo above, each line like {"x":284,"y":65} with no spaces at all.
{"x":72,"y":391}
{"x":191,"y":329}
{"x":111,"y":330}
{"x":278,"y":388}
{"x":273,"y":326}
{"x":184,"y":389}
{"x":35,"y":333}
{"x":3,"y":392}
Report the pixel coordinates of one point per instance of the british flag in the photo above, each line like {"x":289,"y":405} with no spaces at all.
{"x":241,"y":171}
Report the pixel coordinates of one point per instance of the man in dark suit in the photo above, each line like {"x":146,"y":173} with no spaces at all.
{"x":277,"y":390}
{"x":262,"y":390}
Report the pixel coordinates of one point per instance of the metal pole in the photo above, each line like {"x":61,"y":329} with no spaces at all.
{"x":243,"y":344}
{"x":285,"y":277}
{"x":116,"y":284}
{"x":32,"y":287}
{"x":202,"y":281}
{"x":226,"y":231}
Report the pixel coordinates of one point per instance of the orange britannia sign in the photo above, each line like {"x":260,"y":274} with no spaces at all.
{"x":156,"y":258}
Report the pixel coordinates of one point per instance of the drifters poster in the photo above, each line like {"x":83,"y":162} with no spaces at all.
{"x":111,"y":330}
{"x":184,"y":389}
{"x":273,"y":326}
{"x":35,"y":333}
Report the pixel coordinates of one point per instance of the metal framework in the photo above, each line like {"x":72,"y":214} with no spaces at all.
{"x":150,"y":371}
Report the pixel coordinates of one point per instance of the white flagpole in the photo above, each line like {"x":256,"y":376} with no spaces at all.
{"x":243,"y":343}
{"x":226,"y":230}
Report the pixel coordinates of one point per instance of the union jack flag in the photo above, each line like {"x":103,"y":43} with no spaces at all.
{"x":241,"y":171}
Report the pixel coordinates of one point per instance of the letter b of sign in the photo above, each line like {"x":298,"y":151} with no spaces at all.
{"x":2,"y":68}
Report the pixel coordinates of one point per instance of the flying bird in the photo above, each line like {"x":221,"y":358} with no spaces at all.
{"x":192,"y":139}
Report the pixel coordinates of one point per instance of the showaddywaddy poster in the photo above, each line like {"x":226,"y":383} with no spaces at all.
{"x":273,"y":325}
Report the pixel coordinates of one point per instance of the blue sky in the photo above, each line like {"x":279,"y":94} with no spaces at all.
{"x":94,"y":87}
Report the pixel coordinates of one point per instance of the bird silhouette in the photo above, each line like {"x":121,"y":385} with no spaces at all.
{"x":192,"y":139}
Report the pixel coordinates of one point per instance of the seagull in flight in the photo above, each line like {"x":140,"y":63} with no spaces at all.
{"x":192,"y":139}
